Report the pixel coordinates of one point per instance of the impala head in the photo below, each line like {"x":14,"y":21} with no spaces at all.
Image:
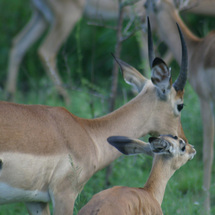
{"x":168,"y":146}
{"x":174,"y":148}
{"x":162,"y":99}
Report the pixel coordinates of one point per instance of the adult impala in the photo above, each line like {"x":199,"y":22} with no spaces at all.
{"x":205,"y":7}
{"x":61,"y":16}
{"x":201,"y":73}
{"x":169,"y":153}
{"x":48,"y":154}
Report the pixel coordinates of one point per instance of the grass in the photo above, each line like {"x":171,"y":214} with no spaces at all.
{"x":89,"y":99}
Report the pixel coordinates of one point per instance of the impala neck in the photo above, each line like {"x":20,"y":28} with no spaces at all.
{"x":167,"y":17}
{"x":130,"y":120}
{"x":160,"y":174}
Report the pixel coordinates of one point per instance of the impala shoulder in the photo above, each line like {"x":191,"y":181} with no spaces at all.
{"x":61,"y":113}
{"x":59,"y":110}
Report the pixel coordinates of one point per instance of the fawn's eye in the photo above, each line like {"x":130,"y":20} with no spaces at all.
{"x":183,"y":145}
{"x":180,"y":107}
{"x":183,"y":148}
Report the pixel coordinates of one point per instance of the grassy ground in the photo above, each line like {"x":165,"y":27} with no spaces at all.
{"x":184,"y":190}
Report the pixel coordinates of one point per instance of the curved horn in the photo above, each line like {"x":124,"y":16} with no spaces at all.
{"x":150,"y":44}
{"x":182,"y":77}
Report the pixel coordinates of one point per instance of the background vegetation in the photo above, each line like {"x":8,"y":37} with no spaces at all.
{"x":90,"y":99}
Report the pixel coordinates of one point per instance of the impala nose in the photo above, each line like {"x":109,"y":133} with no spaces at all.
{"x":193,"y":153}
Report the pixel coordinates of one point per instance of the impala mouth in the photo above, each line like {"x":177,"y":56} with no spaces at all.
{"x":192,"y":155}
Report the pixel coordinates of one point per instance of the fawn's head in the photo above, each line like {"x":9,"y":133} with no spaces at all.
{"x":165,"y":147}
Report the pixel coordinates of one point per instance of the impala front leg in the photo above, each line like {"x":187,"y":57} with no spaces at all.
{"x":208,"y":150}
{"x":64,"y":202}
{"x":63,"y":193}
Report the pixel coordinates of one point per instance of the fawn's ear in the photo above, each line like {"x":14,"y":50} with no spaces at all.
{"x":160,"y":146}
{"x":130,"y":146}
{"x":161,"y":77}
{"x":131,"y":75}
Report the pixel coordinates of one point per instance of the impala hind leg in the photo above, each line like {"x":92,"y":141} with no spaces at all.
{"x":208,"y":149}
{"x":35,"y":208}
{"x":21,"y":44}
{"x":62,"y":26}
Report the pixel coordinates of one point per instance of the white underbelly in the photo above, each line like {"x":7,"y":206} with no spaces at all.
{"x":27,"y":178}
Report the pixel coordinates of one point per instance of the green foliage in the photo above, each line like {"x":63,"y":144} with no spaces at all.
{"x":13,"y":209}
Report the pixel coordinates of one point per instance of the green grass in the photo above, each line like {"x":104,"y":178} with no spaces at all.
{"x":89,"y":99}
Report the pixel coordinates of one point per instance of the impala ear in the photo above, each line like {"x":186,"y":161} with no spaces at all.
{"x":130,"y":146}
{"x":131,"y":75}
{"x":161,"y":77}
{"x":160,"y":146}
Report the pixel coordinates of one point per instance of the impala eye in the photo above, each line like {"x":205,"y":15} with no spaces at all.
{"x":183,"y":148}
{"x":183,"y":145}
{"x":180,"y":107}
